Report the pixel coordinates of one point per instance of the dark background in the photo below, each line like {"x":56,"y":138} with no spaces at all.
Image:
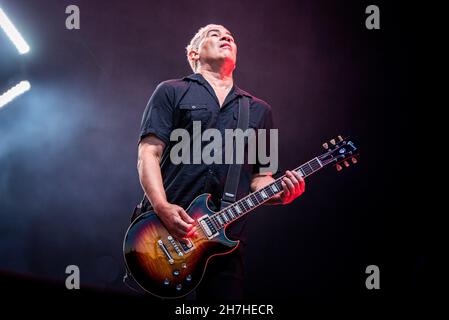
{"x":68,"y":178}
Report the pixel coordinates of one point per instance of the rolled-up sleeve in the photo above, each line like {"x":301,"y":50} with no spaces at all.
{"x":157,"y":118}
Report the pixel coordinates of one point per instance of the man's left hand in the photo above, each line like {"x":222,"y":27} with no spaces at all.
{"x":294,"y":185}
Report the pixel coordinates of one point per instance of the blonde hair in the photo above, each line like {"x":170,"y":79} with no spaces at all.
{"x":195,"y":43}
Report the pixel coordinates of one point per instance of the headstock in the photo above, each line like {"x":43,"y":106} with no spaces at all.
{"x":340,"y":151}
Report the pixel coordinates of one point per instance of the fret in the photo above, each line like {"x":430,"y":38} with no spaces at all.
{"x":244,"y":206}
{"x":225,"y":217}
{"x":219,"y":220}
{"x":275,"y":188}
{"x":249,"y":202}
{"x":237,"y":209}
{"x":315,"y":164}
{"x":263,"y":194}
{"x":255,"y":199}
{"x":268,"y":190}
{"x":229,"y":211}
{"x":310,"y":168}
{"x":307,"y":169}
{"x":318,"y":160}
{"x":214,"y":222}
{"x":279,"y":185}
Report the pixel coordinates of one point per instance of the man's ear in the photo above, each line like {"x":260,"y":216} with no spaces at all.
{"x":194,"y":55}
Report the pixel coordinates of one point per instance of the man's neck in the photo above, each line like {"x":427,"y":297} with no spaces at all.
{"x":217,"y":79}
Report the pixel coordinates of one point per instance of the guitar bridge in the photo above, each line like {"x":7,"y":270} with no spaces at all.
{"x":175,"y":245}
{"x":178,"y":244}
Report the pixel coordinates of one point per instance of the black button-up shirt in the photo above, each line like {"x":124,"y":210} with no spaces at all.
{"x":176,"y":104}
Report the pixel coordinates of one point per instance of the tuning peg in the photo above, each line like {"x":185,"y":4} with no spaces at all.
{"x":339,"y":167}
{"x":325,"y":146}
{"x":340,"y":138}
{"x":346,"y":163}
{"x":333,"y":141}
{"x":354,"y":160}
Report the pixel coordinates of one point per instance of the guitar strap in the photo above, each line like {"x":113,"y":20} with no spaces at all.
{"x":233,"y":177}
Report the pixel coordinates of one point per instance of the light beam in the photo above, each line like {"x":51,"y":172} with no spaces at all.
{"x":14,"y":92}
{"x":12,"y":33}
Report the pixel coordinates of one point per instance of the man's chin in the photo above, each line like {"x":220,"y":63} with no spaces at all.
{"x":229,"y":58}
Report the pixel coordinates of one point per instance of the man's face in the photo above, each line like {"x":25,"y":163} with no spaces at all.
{"x":218,"y":45}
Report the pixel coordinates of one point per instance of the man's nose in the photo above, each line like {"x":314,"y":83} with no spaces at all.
{"x":226,"y":38}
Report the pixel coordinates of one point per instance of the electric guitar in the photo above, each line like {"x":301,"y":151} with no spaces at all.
{"x":168,"y":268}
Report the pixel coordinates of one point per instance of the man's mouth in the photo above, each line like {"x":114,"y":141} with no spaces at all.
{"x":226,"y":45}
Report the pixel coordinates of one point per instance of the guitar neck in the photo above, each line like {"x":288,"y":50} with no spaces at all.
{"x":256,"y":198}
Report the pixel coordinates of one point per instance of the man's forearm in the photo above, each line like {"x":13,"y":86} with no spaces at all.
{"x":151,"y":180}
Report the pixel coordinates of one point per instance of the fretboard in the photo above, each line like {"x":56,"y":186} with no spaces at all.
{"x":255,"y":199}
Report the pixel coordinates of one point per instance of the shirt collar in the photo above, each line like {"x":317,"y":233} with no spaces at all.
{"x":199,"y":78}
{"x":196,"y":77}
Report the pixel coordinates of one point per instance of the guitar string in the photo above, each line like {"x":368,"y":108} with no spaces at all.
{"x":240,"y":202}
{"x":322,"y":162}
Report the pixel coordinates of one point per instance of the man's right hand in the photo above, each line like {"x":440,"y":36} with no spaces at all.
{"x":178,"y":223}
{"x":175,"y":219}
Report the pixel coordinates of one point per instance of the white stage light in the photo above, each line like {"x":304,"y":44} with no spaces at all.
{"x":14,"y":92}
{"x":13,"y":34}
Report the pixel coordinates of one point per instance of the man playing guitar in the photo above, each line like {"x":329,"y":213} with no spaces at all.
{"x":210,"y":97}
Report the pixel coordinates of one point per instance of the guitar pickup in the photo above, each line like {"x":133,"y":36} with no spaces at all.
{"x":165,"y":250}
{"x":208,"y":228}
{"x":187,"y":246}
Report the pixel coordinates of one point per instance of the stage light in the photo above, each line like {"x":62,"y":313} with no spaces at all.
{"x":13,"y":34}
{"x":14,"y":92}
